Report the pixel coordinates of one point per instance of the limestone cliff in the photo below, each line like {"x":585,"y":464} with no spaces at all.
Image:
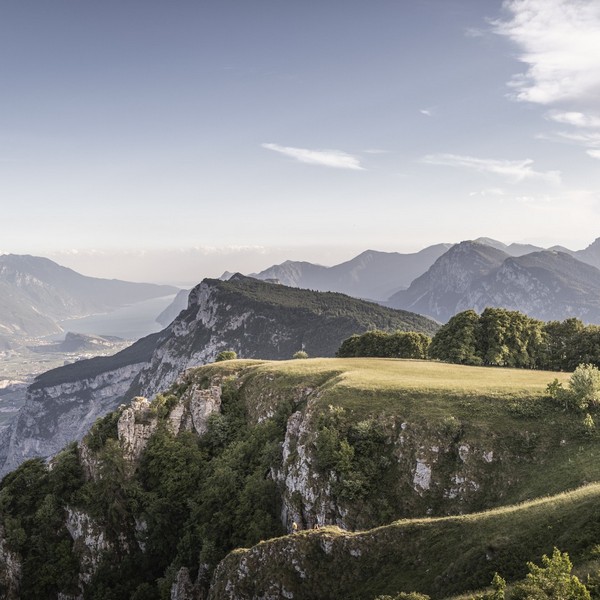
{"x":55,"y":415}
{"x":10,"y":570}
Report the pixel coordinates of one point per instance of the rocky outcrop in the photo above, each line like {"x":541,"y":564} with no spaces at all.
{"x":184,"y":589}
{"x":136,"y":425}
{"x":194,"y":409}
{"x":10,"y":571}
{"x":305,"y":492}
{"x":89,"y":543}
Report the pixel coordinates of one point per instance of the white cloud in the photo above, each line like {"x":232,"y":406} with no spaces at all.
{"x":376,"y":151}
{"x":591,"y":138}
{"x":594,"y":153}
{"x":560,"y":45}
{"x":576,"y":119}
{"x":514,"y":170}
{"x":426,"y":112}
{"x":474,"y":32}
{"x":326,"y":158}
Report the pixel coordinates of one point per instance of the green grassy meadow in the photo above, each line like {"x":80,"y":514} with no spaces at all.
{"x":541,"y":492}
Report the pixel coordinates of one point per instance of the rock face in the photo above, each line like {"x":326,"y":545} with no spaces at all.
{"x":89,"y":543}
{"x":306,"y":494}
{"x":197,"y":405}
{"x":547,"y":285}
{"x":10,"y":571}
{"x":135,"y":427}
{"x":55,"y":415}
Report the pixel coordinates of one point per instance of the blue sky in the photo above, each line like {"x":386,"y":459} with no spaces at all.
{"x":171,"y":140}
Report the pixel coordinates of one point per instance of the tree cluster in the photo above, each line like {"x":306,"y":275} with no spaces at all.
{"x":500,"y":337}
{"x":399,"y":344}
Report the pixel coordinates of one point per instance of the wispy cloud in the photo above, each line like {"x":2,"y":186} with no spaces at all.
{"x":576,"y":119}
{"x":325,"y":158}
{"x":594,"y":153}
{"x":514,"y":170}
{"x":559,"y":42}
{"x":426,"y":111}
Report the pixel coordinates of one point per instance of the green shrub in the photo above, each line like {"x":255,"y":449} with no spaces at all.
{"x":226,"y":355}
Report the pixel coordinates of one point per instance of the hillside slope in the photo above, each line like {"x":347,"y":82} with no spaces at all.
{"x":437,"y":557}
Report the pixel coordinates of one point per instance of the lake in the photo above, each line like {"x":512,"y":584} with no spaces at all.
{"x":129,"y":322}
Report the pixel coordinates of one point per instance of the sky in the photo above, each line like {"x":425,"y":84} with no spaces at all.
{"x":168,"y":141}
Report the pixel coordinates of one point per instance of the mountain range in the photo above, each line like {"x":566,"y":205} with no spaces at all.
{"x":37,"y":293}
{"x":547,"y":284}
{"x":372,"y":275}
{"x":441,"y":280}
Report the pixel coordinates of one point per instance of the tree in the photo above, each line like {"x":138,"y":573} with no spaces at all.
{"x":457,"y":340}
{"x":551,"y":581}
{"x":584,"y":385}
{"x":300,"y":354}
{"x":226,"y":355}
{"x":561,"y":344}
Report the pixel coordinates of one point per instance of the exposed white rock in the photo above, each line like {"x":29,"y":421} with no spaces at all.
{"x":422,"y":476}
{"x":204,"y":403}
{"x":463,"y":451}
{"x":135,"y":427}
{"x":193,"y":410}
{"x":306,"y":498}
{"x":10,"y":570}
{"x":89,"y":543}
{"x":89,"y":462}
{"x":182,"y":588}
{"x":488,"y":456}
{"x":141,"y":530}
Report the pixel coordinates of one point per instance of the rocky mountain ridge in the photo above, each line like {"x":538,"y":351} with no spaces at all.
{"x":253,"y":318}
